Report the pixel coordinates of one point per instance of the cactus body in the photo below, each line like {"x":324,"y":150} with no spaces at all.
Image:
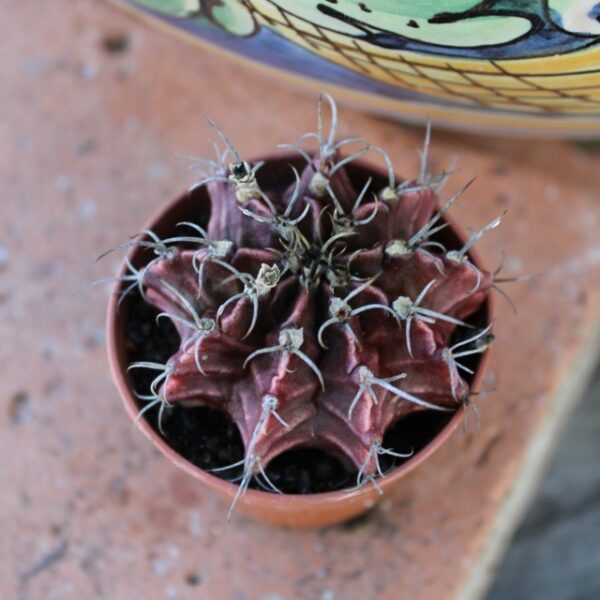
{"x":317,"y":312}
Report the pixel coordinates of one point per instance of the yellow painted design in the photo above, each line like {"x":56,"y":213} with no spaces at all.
{"x":560,"y":84}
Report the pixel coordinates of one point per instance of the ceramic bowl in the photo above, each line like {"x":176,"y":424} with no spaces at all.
{"x":517,"y":66}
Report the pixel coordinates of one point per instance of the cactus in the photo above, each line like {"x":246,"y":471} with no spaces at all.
{"x":315,"y":312}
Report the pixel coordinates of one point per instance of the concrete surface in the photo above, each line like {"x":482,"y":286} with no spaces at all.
{"x":94,"y":110}
{"x":556,"y":550}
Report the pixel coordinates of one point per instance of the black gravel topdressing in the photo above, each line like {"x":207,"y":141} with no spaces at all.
{"x":209,"y":439}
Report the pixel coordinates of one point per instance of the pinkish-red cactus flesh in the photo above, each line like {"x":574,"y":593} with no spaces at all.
{"x":316,"y":314}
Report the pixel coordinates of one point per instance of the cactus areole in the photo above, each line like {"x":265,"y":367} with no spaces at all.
{"x":318,"y":303}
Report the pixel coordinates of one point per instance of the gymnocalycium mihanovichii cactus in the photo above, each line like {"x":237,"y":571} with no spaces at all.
{"x":315,"y":312}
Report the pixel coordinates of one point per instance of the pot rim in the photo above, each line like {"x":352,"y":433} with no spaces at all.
{"x":116,"y":356}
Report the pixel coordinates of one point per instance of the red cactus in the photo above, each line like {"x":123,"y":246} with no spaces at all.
{"x":315,"y":313}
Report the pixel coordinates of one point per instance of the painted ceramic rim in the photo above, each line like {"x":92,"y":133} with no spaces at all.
{"x":457,"y":118}
{"x":117,"y":358}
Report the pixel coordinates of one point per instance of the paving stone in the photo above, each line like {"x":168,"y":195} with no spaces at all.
{"x":89,"y":145}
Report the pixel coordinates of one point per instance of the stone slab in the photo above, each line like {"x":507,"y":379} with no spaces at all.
{"x":90,"y":134}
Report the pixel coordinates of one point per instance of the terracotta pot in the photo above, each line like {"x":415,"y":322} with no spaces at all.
{"x":299,"y":511}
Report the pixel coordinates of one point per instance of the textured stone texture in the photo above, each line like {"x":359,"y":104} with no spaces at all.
{"x":91,"y":124}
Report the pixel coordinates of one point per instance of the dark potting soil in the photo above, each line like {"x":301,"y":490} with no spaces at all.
{"x":209,"y":439}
